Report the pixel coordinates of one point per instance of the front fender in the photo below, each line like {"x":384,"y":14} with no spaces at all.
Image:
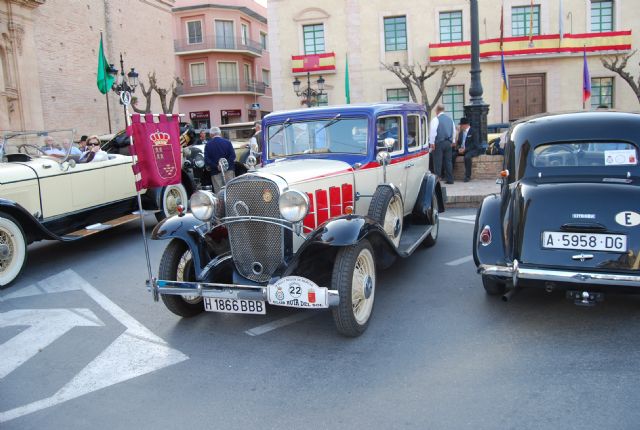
{"x":429,"y":185}
{"x":489,"y":214}
{"x":203,"y":249}
{"x":346,"y":231}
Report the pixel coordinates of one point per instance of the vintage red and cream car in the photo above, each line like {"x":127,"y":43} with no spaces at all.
{"x":343,"y":192}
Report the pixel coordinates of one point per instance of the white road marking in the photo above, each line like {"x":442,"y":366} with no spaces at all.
{"x":265,"y":328}
{"x":460,"y":261}
{"x":135,"y":352}
{"x":45,"y":326}
{"x":463,"y":221}
{"x":467,"y":217}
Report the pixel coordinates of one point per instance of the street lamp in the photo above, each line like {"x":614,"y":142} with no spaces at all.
{"x":309,"y":92}
{"x":124,"y":85}
{"x":477,"y":110}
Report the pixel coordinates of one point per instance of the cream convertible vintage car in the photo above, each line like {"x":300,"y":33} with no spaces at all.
{"x":46,"y":193}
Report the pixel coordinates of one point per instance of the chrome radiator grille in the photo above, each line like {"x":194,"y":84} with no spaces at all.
{"x":257,"y":247}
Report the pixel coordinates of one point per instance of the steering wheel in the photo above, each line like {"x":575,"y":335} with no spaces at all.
{"x":22,"y":148}
{"x":560,"y":155}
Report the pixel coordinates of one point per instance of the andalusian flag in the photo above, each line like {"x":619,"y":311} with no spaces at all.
{"x":347,"y":88}
{"x":504,"y":95}
{"x":105,"y":80}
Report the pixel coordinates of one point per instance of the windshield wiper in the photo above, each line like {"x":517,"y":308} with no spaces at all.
{"x":330,"y":123}
{"x":285,"y":124}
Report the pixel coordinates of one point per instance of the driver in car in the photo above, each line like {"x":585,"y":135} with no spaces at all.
{"x":93,"y":153}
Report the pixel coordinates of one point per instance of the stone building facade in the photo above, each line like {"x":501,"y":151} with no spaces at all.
{"x":544,"y":67}
{"x":49,"y":72}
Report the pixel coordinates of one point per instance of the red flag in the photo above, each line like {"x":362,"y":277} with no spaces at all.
{"x":586,"y":79}
{"x":157,"y":148}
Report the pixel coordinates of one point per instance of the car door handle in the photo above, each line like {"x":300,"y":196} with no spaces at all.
{"x":408,"y":165}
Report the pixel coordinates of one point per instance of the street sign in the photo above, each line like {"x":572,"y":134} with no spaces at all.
{"x":125,"y":98}
{"x":255,"y":106}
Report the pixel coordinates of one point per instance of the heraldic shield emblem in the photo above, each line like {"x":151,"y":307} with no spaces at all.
{"x":156,"y":146}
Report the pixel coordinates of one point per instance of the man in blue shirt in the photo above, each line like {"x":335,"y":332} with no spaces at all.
{"x":216,"y":148}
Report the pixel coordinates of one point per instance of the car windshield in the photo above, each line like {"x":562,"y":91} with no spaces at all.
{"x":56,"y":144}
{"x":332,"y":135}
{"x":585,"y":154}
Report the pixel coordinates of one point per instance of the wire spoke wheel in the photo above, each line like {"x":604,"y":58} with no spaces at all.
{"x":13,"y":249}
{"x":177,"y":265}
{"x":354,"y":276}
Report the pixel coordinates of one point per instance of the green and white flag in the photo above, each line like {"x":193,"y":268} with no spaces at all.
{"x":105,"y":80}
{"x":347,"y":90}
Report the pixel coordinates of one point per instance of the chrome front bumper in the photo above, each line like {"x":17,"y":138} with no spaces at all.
{"x":224,"y":291}
{"x":515,"y":272}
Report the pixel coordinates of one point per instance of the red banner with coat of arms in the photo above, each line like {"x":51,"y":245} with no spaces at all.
{"x":156,"y":146}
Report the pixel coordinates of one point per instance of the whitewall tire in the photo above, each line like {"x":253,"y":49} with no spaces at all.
{"x":172,"y":196}
{"x":13,"y":249}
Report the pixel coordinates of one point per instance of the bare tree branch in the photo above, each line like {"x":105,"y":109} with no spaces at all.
{"x":618,"y":64}
{"x":415,"y":76}
{"x":146,"y":92}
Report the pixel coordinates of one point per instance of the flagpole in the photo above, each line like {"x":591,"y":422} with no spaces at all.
{"x":151,"y":283}
{"x":106,"y":95}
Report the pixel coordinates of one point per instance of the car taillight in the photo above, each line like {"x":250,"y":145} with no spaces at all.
{"x":485,"y":236}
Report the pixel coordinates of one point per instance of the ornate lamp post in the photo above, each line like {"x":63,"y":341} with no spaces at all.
{"x":309,"y":92}
{"x":477,"y":110}
{"x":124,"y":85}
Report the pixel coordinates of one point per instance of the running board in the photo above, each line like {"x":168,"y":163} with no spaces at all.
{"x":412,"y":237}
{"x":96,"y":228}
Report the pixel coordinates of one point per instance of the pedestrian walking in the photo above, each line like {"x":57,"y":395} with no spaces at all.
{"x":442,"y":133}
{"x":215,"y":149}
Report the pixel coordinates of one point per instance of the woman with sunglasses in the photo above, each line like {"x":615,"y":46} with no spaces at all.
{"x":93,"y":152}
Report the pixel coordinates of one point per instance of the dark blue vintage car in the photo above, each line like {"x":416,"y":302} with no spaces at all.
{"x":567,"y":216}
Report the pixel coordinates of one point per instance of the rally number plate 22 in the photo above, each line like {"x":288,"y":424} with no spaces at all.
{"x":298,"y":292}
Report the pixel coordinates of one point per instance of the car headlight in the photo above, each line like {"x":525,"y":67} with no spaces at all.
{"x":203,"y":205}
{"x":199,"y":161}
{"x":294,"y":205}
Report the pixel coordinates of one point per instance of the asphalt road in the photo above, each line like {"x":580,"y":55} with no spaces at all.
{"x":82,"y":345}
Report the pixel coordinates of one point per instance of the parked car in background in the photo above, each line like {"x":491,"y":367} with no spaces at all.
{"x":45,"y":193}
{"x":337,"y":199}
{"x":567,"y":214}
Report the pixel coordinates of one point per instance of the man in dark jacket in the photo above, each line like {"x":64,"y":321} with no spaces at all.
{"x":466,"y":148}
{"x":217,"y":148}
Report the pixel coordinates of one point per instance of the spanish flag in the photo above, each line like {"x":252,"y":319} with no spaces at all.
{"x":504,"y":96}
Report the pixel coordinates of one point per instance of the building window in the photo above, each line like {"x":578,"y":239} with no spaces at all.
{"x":245,"y":34}
{"x":322,"y":100}
{"x":194,"y":32}
{"x":395,"y":33}
{"x":228,"y":76}
{"x":601,"y":92}
{"x":453,"y":101}
{"x":247,"y":73}
{"x":224,"y":35}
{"x":197,"y":74}
{"x":451,"y":26}
{"x":521,"y":20}
{"x":398,"y":95}
{"x":266,"y":78}
{"x":263,"y":40}
{"x":601,"y":15}
{"x":313,"y":36}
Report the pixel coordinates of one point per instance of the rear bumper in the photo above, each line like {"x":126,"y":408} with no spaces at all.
{"x":516,"y":273}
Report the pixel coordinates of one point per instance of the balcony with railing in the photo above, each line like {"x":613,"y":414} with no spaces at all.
{"x":223,"y":86}
{"x":217,"y":44}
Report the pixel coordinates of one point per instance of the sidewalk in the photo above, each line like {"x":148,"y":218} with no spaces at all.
{"x":468,"y":194}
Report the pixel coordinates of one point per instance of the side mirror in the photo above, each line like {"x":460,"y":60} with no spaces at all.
{"x":72,"y":163}
{"x":251,"y":162}
{"x":389,"y":142}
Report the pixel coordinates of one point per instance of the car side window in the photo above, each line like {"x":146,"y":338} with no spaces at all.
{"x":424,"y":134}
{"x":390,"y":126}
{"x":413,"y":132}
